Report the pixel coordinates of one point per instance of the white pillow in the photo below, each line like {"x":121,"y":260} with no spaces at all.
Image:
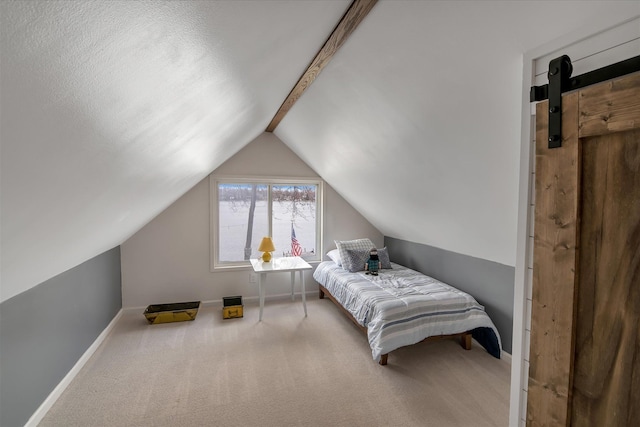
{"x":334,"y":255}
{"x":357,"y":244}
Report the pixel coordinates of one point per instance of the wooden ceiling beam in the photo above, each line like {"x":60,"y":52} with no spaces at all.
{"x":351,"y":19}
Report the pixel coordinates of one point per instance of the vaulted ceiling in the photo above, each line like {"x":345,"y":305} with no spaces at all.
{"x":110,"y":111}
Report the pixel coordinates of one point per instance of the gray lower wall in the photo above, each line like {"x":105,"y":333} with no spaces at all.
{"x":490,"y":283}
{"x":44,"y":331}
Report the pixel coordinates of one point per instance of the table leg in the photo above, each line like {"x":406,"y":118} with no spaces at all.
{"x":293,"y":279}
{"x":261,"y":293}
{"x":304,"y":298}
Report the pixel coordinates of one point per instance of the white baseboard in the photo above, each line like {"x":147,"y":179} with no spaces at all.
{"x":504,"y":356}
{"x":39,"y":414}
{"x":277,"y":297}
{"x":252,"y":299}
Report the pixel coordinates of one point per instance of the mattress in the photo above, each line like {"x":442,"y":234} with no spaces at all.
{"x":401,"y":307}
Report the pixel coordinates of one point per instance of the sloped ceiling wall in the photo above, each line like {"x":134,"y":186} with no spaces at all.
{"x":110,"y":111}
{"x":416,"y":121}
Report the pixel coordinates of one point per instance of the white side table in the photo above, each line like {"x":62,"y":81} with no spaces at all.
{"x":281,"y":265}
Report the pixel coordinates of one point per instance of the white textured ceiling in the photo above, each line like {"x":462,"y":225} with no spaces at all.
{"x":112,"y":110}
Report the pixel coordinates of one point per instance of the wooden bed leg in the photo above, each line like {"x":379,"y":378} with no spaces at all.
{"x":383,"y":359}
{"x":466,"y":341}
{"x":321,"y":294}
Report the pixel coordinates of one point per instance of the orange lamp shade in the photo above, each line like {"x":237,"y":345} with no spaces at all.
{"x":266,"y":246}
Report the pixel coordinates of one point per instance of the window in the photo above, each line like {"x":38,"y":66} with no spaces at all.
{"x":244,"y":211}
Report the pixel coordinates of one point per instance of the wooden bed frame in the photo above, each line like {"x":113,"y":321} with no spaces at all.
{"x":465,"y":337}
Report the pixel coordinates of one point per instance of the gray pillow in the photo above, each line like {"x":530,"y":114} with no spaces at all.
{"x":357,"y":260}
{"x":357,"y":244}
{"x":383,"y":255}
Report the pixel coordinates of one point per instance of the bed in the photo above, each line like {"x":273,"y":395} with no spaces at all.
{"x":401,"y":307}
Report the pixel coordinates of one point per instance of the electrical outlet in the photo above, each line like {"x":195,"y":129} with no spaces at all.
{"x":253,"y":278}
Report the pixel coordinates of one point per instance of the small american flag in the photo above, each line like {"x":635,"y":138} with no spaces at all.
{"x":296,"y":249}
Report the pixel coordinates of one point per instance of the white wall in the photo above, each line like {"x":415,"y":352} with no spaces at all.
{"x":423,"y":101}
{"x":168,"y":259}
{"x":111,"y":111}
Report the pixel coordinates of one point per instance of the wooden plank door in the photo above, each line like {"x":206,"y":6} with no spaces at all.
{"x":585,"y":333}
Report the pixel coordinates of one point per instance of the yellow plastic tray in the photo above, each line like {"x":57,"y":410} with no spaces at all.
{"x":175,"y":312}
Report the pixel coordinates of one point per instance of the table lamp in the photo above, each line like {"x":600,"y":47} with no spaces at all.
{"x":267,"y":247}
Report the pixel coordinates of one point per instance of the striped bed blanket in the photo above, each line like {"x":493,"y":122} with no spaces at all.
{"x":401,"y":307}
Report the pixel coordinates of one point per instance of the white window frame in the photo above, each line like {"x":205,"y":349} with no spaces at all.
{"x":214,"y":181}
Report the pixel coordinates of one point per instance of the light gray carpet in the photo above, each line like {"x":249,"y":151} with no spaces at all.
{"x":285,"y":370}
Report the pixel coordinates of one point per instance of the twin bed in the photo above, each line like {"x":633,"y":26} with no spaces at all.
{"x":400,"y":306}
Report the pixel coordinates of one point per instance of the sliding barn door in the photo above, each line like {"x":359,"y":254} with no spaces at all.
{"x":585,"y":334}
